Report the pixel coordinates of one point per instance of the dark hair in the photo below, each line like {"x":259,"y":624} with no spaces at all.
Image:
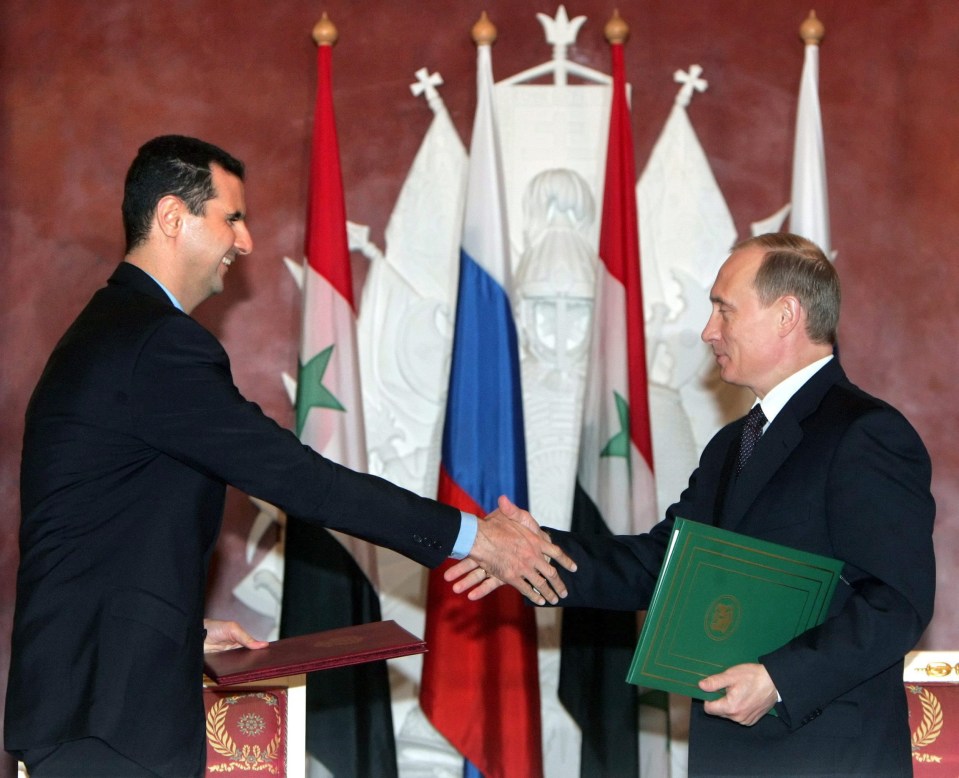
{"x":170,"y":164}
{"x":796,"y":266}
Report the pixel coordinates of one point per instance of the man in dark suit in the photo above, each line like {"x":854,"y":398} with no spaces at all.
{"x":132,"y":434}
{"x":836,"y":472}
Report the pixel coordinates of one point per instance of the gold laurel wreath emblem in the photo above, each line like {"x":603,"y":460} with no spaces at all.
{"x":932,"y":720}
{"x":246,"y":758}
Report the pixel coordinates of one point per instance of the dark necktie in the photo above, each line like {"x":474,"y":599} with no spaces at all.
{"x":752,"y":431}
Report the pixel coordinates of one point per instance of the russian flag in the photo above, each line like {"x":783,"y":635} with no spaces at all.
{"x":480,"y":684}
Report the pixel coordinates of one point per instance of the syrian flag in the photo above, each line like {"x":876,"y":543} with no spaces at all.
{"x":329,"y":578}
{"x":480,"y":683}
{"x":809,"y":215}
{"x":614,"y":491}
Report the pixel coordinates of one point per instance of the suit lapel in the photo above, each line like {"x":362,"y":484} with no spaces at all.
{"x":727,"y":479}
{"x":773,"y":448}
{"x":779,"y":440}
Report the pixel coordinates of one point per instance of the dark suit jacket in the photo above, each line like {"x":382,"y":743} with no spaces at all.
{"x":132,"y":434}
{"x":839,"y":473}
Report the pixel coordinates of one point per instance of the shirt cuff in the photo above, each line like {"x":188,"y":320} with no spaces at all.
{"x":469,"y":526}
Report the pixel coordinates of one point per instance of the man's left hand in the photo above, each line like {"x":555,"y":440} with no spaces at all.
{"x":750,"y":693}
{"x":224,"y":635}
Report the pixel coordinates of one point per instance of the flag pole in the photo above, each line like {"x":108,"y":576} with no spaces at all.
{"x":812,"y":30}
{"x":325,"y":32}
{"x":484,"y":31}
{"x":616,"y":29}
{"x":330,"y":579}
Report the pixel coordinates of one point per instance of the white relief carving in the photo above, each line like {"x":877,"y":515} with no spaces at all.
{"x":554,"y":287}
{"x":261,"y":589}
{"x":405,"y":320}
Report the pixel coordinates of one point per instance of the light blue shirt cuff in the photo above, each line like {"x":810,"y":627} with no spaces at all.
{"x":469,"y":526}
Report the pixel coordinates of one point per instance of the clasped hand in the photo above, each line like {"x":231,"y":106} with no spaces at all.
{"x":511,"y":548}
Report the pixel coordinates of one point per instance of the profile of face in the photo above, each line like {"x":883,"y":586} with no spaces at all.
{"x":743,"y":334}
{"x":211,"y":240}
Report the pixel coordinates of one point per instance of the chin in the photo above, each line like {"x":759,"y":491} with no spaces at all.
{"x":728,"y":376}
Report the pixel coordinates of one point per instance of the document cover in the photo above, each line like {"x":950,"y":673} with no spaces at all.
{"x":317,"y":651}
{"x":723,"y":599}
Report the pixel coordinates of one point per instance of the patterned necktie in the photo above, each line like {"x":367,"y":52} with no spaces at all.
{"x":752,"y":431}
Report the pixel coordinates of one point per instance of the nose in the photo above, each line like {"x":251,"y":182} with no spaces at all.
{"x":709,"y":332}
{"x":243,"y":241}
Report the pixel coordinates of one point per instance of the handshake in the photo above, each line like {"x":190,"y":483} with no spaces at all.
{"x":510,"y":548}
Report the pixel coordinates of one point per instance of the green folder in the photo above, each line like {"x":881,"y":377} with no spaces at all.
{"x":723,"y":599}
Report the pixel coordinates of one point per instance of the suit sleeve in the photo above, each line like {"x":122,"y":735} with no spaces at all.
{"x":187,"y":407}
{"x":880,"y":517}
{"x":613,"y":572}
{"x":619,"y":572}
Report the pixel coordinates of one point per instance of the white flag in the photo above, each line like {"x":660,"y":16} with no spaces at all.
{"x":810,"y":199}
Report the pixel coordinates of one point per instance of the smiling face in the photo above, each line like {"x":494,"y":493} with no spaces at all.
{"x":211,"y":241}
{"x":744,"y":335}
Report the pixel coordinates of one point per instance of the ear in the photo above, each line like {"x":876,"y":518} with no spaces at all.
{"x":790,"y":314}
{"x":169,"y":215}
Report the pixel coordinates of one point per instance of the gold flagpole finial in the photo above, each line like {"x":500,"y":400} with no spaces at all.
{"x":812,"y":30}
{"x":484,"y":31}
{"x":616,"y":30}
{"x":324,"y":32}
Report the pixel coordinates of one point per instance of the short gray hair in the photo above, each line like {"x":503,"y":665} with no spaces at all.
{"x":796,"y":266}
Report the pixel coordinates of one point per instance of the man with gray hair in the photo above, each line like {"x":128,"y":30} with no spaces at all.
{"x":833,"y":471}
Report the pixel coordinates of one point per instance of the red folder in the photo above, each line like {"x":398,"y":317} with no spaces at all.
{"x":317,"y":651}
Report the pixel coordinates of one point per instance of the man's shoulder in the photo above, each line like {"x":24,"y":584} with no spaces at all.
{"x":847,"y":409}
{"x":830,"y":392}
{"x":122,"y":324}
{"x":127,"y":277}
{"x":847,"y":400}
{"x":121,"y":313}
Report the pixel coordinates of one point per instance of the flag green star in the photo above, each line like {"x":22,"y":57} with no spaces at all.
{"x":618,"y":445}
{"x":310,"y":391}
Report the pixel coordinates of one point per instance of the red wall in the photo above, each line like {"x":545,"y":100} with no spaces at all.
{"x":83,"y":84}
